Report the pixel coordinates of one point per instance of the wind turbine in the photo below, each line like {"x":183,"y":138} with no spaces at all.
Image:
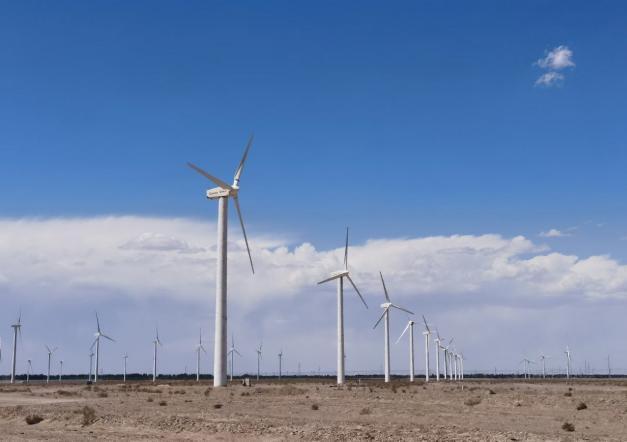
{"x":60,"y":369}
{"x":28,"y":370}
{"x":567,"y":352}
{"x":280,"y":360}
{"x":91,"y":365}
{"x":96,"y":342}
{"x":527,"y":362}
{"x":49,"y":359}
{"x":199,"y":347}
{"x":386,"y":306}
{"x":125,"y":357}
{"x":410,"y":327}
{"x":426,"y":334}
{"x":232,"y":352}
{"x":448,"y":359}
{"x":543,"y":358}
{"x":222,"y":194}
{"x":154,"y":357}
{"x":339,"y":276}
{"x":438,"y":346}
{"x":17,"y":328}
{"x":259,"y":359}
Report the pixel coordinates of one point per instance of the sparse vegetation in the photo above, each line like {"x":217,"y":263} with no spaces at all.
{"x":567,"y":426}
{"x":103,"y":394}
{"x":581,"y":406}
{"x":207,"y":392}
{"x":33,"y":419}
{"x":490,"y":391}
{"x":67,"y":393}
{"x":471,"y":402}
{"x":162,"y":403}
{"x":315,"y":407}
{"x":217,"y":406}
{"x":149,"y":399}
{"x":365,"y":411}
{"x":568,"y":394}
{"x":89,"y":415}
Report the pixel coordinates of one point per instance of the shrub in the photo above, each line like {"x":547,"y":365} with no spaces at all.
{"x":365,"y":411}
{"x":66,"y":393}
{"x":33,"y":419}
{"x":471,"y":402}
{"x":217,"y":406}
{"x":581,"y":406}
{"x":567,"y":426}
{"x":163,"y":403}
{"x":315,"y":407}
{"x":103,"y":394}
{"x":568,"y":394}
{"x":149,"y":399}
{"x":89,"y":415}
{"x":207,"y":392}
{"x":490,"y":391}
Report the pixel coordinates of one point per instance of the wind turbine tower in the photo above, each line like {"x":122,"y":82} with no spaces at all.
{"x":386,"y":306}
{"x":222,"y":193}
{"x":199,"y":348}
{"x":17,"y":328}
{"x":96,"y":342}
{"x":543,"y":358}
{"x":567,"y":352}
{"x":28,"y":370}
{"x":259,"y":359}
{"x":410,"y":327}
{"x":50,"y":352}
{"x":426,"y":334}
{"x":339,"y":276}
{"x":280,"y":362}
{"x":60,"y":369}
{"x":155,"y":342}
{"x":125,"y":357}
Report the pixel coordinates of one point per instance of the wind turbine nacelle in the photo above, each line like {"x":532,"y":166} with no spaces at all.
{"x":217,"y":192}
{"x":386,"y":304}
{"x":339,"y":273}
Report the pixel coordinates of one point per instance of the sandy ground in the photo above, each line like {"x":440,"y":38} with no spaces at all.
{"x":308,"y":410}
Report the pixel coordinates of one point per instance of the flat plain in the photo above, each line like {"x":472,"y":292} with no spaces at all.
{"x":475,"y":410}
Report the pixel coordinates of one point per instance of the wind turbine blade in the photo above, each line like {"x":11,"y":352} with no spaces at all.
{"x":346,"y":251}
{"x":385,"y":290}
{"x":402,"y":334}
{"x":110,"y":339}
{"x":48,"y":348}
{"x":330,"y":279}
{"x":384,"y":312}
{"x":240,"y":167}
{"x":357,"y":290}
{"x":426,"y":325}
{"x":241,"y":222}
{"x":97,"y":322}
{"x":203,"y":349}
{"x":401,"y":308}
{"x":217,"y":181}
{"x":92,"y":345}
{"x":237,"y":352}
{"x":54,"y":349}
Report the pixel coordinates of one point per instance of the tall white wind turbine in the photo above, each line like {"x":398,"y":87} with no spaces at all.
{"x":96,"y":342}
{"x":438,"y":346}
{"x":199,"y":348}
{"x":259,"y":359}
{"x":91,"y":365}
{"x":410,"y":327}
{"x":28,"y":370}
{"x":60,"y":369}
{"x":125,"y":357}
{"x":427,"y":334}
{"x":17,"y":329}
{"x":339,"y":276}
{"x":543,"y":358}
{"x":222,"y":193}
{"x":232,"y":352}
{"x":527,"y":361}
{"x":386,"y":306}
{"x":155,"y":342}
{"x":280,"y":362}
{"x":50,"y":352}
{"x":567,"y":352}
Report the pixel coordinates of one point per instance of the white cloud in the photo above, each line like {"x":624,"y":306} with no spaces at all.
{"x":557,"y":59}
{"x":550,"y":79}
{"x":554,"y":233}
{"x":145,"y":257}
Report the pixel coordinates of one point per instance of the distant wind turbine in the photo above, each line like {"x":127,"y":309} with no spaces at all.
{"x":386,"y":306}
{"x":410,"y":327}
{"x":17,"y":329}
{"x":543,"y":358}
{"x":280,"y":361}
{"x":96,"y":342}
{"x":154,"y":357}
{"x":28,"y":370}
{"x":199,"y":348}
{"x":259,"y":359}
{"x":427,"y":334}
{"x":232,"y":352}
{"x":60,"y":369}
{"x":50,"y":352}
{"x":125,"y":357}
{"x":339,"y":276}
{"x":438,"y":346}
{"x":567,"y":352}
{"x":222,"y":193}
{"x":526,"y":362}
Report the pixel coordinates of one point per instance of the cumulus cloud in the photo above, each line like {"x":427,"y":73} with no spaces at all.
{"x":554,"y":233}
{"x":558,"y":58}
{"x":141,"y":257}
{"x":555,"y":60}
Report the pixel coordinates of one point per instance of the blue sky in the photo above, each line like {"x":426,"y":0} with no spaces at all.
{"x":416,"y":119}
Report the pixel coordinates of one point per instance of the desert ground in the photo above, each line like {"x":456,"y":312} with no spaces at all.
{"x":505,"y":410}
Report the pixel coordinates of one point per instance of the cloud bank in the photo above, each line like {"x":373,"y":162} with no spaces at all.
{"x":554,"y":61}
